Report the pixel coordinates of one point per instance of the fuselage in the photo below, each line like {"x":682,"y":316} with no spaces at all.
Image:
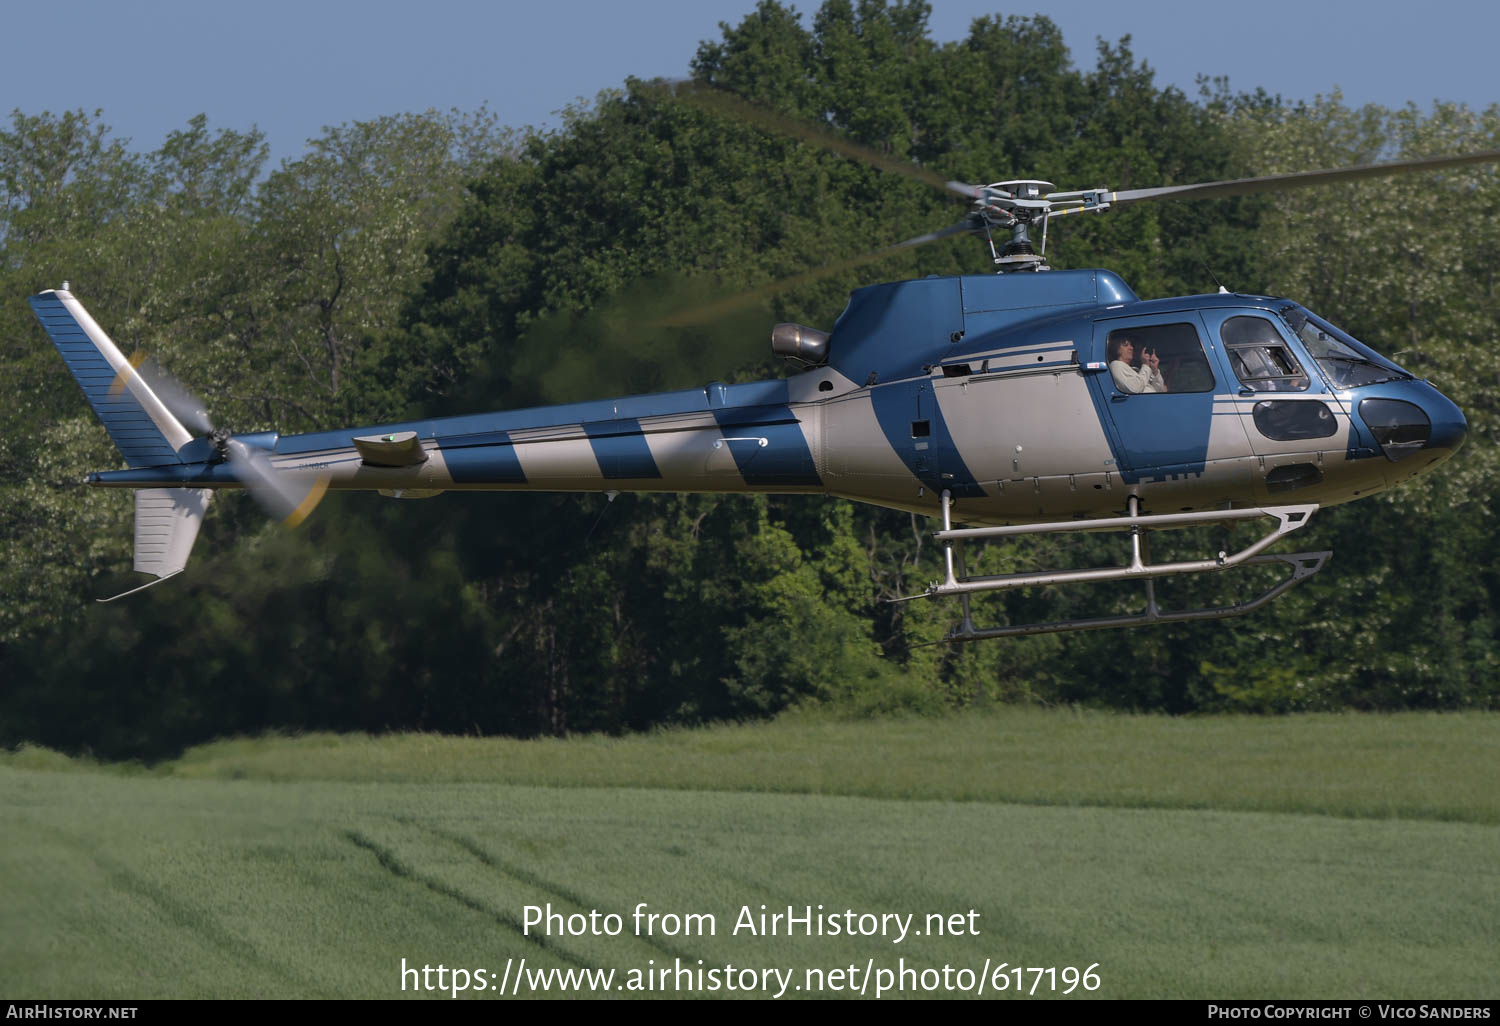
{"x":997,"y":389}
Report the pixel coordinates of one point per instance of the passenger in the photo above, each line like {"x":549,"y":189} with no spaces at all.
{"x":1131,"y":373}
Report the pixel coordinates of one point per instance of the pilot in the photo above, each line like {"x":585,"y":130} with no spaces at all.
{"x":1131,"y":373}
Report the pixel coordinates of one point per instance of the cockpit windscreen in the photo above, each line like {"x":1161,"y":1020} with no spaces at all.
{"x":1346,"y":362}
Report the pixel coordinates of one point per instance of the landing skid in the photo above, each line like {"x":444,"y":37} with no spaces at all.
{"x":957,"y":582}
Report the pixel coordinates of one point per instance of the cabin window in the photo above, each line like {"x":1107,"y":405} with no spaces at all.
{"x":1154,"y":358}
{"x":1286,"y":420}
{"x":1260,"y":357}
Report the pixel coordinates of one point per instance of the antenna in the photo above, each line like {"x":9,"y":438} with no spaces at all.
{"x":1215,"y":277}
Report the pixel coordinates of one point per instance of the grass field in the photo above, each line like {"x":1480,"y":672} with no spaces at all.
{"x":1318,"y":856}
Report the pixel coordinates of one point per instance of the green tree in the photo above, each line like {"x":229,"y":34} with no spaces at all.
{"x":438,"y":264}
{"x":239,"y":286}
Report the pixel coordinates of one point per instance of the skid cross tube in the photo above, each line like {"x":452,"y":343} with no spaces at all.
{"x":956,"y":580}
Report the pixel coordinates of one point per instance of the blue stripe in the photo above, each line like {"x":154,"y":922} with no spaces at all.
{"x":621,"y":449}
{"x":485,"y":458}
{"x":783,"y":461}
{"x":939,"y":466}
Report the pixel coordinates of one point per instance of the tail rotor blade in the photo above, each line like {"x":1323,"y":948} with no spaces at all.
{"x":289,"y":496}
{"x":189,"y":410}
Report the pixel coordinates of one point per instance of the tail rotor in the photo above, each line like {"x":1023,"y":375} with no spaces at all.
{"x":289,"y":496}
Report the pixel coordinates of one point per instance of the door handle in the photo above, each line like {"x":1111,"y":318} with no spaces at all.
{"x":1118,"y":398}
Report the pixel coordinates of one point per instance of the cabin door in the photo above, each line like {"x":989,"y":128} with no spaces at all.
{"x":1159,"y":389}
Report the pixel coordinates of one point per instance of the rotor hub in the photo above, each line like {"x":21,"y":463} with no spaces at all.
{"x":1027,"y":188}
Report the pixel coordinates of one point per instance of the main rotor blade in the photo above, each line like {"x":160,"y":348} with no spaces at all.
{"x":721,"y":101}
{"x":964,"y":189}
{"x":289,"y":496}
{"x":1298,"y":179}
{"x":732,"y":304}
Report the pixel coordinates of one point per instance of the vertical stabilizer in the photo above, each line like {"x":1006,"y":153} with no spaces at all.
{"x":166,"y":525}
{"x":138,"y":422}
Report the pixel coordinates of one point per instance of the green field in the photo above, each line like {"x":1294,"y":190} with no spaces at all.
{"x":1317,"y":856}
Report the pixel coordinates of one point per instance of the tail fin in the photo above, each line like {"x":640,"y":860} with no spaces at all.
{"x":140,"y":425}
{"x":142,"y":428}
{"x":166,"y":525}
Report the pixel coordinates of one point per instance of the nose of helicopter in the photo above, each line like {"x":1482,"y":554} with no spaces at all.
{"x":1412,"y":419}
{"x":1449,"y":428}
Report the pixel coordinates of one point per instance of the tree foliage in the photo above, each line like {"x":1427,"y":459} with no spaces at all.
{"x":439,"y":264}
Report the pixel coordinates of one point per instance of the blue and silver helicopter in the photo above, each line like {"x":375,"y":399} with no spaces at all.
{"x":1026,"y":402}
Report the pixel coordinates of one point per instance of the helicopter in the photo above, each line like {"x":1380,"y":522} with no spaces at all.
{"x":1030,"y":401}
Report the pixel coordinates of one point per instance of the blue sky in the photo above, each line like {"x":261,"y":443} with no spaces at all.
{"x":291,"y":68}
